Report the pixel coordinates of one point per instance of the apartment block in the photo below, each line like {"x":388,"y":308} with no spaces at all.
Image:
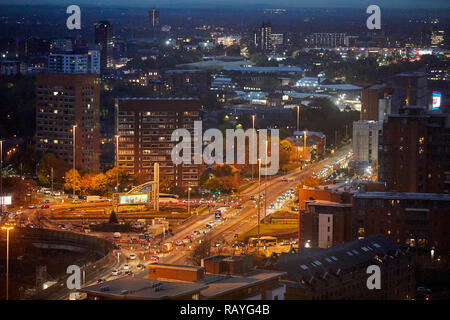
{"x":62,"y":101}
{"x":145,"y":126}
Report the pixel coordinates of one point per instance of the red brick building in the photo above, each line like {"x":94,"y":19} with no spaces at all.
{"x":63,"y":100}
{"x":414,"y":152}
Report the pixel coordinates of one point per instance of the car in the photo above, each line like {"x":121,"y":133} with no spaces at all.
{"x":76,"y":201}
{"x":101,"y":280}
{"x":179,"y":243}
{"x":285,"y":243}
{"x":209,"y":226}
{"x":45,"y":206}
{"x":284,"y":179}
{"x":115,"y":272}
{"x":129,"y":272}
{"x":132,"y":256}
{"x":140,"y":266}
{"x":196,"y":232}
{"x":126,"y":266}
{"x":31,"y":206}
{"x":154,"y":259}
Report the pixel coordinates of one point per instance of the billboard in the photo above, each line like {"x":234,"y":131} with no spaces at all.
{"x":5,"y":200}
{"x":437,"y":97}
{"x":133,"y":198}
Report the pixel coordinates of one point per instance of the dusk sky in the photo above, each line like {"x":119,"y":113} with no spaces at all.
{"x":410,"y":4}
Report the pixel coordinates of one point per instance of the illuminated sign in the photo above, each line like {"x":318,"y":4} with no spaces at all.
{"x":437,"y":97}
{"x":133,"y":198}
{"x":6,"y":200}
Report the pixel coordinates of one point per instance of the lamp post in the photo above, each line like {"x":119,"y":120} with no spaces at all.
{"x":298,"y":118}
{"x":74,"y":158}
{"x":265,"y":185}
{"x":1,"y":176}
{"x":7,"y":228}
{"x":189,"y":198}
{"x":253,"y":120}
{"x":117,"y":163}
{"x":259,"y":199}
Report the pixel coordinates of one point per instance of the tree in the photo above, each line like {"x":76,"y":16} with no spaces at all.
{"x":212,"y":184}
{"x":86,"y":183}
{"x":99,"y":183}
{"x":44,"y":169}
{"x":72,"y":180}
{"x":113,"y":217}
{"x":111,"y":176}
{"x":165,"y":184}
{"x":285,"y":151}
{"x":201,"y":251}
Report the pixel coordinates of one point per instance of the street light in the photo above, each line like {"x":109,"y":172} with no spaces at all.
{"x":253,"y":120}
{"x":265,"y":185}
{"x":189,"y":198}
{"x":117,"y":163}
{"x":259,"y":199}
{"x":7,"y":227}
{"x":1,"y":176}
{"x":74,"y":155}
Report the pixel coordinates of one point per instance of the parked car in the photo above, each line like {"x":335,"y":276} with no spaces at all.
{"x":154,"y":259}
{"x":45,"y":206}
{"x":126,"y":266}
{"x":132,"y":256}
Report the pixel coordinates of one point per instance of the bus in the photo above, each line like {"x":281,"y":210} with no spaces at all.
{"x":167,"y":198}
{"x":263,"y":241}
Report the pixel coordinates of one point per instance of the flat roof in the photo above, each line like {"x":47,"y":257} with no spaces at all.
{"x":174,"y":266}
{"x":402,"y":195}
{"x":328,"y":203}
{"x":221,"y":285}
{"x":130,"y":288}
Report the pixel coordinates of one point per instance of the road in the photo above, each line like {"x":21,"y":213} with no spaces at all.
{"x":246,"y":218}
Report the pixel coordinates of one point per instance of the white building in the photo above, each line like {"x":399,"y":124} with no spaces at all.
{"x":81,"y":63}
{"x":365,"y":140}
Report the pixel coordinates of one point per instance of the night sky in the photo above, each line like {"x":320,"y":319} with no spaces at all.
{"x":407,"y":4}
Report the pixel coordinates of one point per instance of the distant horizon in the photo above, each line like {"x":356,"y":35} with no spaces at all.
{"x":262,"y":4}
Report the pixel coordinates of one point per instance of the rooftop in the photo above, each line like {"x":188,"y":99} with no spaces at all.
{"x":131,"y":288}
{"x":222,"y":284}
{"x":403,"y":195}
{"x":315,"y":264}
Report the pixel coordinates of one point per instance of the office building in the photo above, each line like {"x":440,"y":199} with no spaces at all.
{"x":340,"y":272}
{"x":327,"y":40}
{"x":145,"y":126}
{"x":61,"y":45}
{"x":437,"y":37}
{"x":103,"y":38}
{"x":263,"y":37}
{"x":413,"y":154}
{"x":64,"y":100}
{"x":75,"y":63}
{"x":365,"y":140}
{"x":277,"y":40}
{"x":153,"y":16}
